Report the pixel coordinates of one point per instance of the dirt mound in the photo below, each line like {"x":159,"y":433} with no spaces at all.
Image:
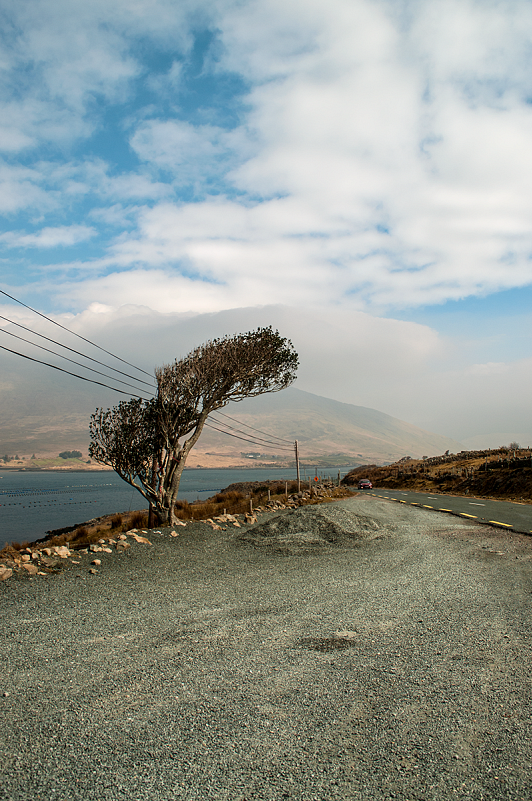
{"x":312,"y":527}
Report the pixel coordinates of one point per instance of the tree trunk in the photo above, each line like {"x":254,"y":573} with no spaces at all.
{"x":166,"y":505}
{"x":153,"y":517}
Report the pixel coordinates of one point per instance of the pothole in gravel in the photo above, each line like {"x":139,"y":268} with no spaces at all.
{"x":312,"y":528}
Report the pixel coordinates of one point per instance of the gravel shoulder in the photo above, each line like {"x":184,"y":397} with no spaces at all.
{"x":367,"y":651}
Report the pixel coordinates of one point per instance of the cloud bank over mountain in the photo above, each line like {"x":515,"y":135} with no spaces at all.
{"x":364,"y":163}
{"x":400,"y":368}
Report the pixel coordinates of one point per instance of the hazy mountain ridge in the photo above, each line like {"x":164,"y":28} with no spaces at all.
{"x":322,"y":426}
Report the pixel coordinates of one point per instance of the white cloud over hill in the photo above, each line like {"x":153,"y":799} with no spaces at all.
{"x":341,"y":163}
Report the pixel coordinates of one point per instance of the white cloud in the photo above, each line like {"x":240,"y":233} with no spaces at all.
{"x":62,"y":56}
{"x":377,"y":164}
{"x":50,"y":186}
{"x":380,"y":157}
{"x":191,"y":153}
{"x":13,"y":139}
{"x":117,"y":215}
{"x":21,"y":187}
{"x":62,"y":236}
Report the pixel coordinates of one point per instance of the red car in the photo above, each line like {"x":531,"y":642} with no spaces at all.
{"x":364,"y":483}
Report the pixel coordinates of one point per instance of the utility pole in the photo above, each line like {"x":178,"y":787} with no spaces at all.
{"x":297,"y":466}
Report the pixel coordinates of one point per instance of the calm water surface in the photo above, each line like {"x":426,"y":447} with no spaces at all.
{"x":33,"y":503}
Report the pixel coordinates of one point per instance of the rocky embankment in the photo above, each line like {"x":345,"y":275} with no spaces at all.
{"x":41,"y":558}
{"x":501,"y":474}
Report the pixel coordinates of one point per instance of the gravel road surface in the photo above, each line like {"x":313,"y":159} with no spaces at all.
{"x":359,"y":650}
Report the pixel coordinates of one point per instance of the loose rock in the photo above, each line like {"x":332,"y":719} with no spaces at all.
{"x":121,"y":545}
{"x":141,"y":539}
{"x":62,"y":551}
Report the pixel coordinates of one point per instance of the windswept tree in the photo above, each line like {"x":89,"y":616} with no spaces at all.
{"x":147,"y":442}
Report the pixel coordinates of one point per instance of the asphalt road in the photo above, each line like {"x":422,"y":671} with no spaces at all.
{"x":512,"y":516}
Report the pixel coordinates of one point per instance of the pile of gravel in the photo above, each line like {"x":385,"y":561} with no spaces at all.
{"x":313,"y":528}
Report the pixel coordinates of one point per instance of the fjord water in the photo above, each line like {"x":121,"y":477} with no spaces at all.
{"x":32,"y":503}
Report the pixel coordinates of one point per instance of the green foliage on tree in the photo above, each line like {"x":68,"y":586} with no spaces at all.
{"x":147,"y":442}
{"x":70,"y":455}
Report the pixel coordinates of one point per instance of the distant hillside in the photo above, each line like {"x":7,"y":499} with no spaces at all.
{"x":327,"y":429}
{"x":329,"y":432}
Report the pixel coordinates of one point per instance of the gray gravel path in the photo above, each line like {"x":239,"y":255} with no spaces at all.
{"x":388,"y":661}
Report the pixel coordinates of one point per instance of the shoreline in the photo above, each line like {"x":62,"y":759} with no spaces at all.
{"x":56,"y":470}
{"x":26,"y":525}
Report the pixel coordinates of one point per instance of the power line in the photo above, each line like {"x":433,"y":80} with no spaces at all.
{"x":72,"y":350}
{"x":96,"y":361}
{"x":73,"y":332}
{"x":60,"y":355}
{"x":255,"y":441}
{"x":252,"y":442}
{"x":83,"y":378}
{"x":253,"y":429}
{"x":269,"y":442}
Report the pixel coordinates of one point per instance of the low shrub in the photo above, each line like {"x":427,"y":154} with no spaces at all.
{"x":228,"y":497}
{"x":20,"y":546}
{"x":117,"y":521}
{"x":138,"y":519}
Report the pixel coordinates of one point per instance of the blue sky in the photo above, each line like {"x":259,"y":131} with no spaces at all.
{"x":364,"y":162}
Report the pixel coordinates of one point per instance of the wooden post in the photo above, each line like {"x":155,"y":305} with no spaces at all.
{"x":338,"y":478}
{"x":286,"y":487}
{"x":251,"y":506}
{"x":297,"y":467}
{"x":269,"y":496}
{"x":151,"y":513}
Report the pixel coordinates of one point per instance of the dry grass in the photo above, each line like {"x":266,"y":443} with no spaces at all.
{"x":117,"y":521}
{"x":20,"y":546}
{"x":84,"y":535}
{"x":138,"y":520}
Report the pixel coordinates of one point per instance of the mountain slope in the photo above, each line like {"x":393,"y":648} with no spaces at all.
{"x":328,"y":431}
{"x":324,"y":427}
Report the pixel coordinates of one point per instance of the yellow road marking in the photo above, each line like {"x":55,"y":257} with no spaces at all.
{"x":400,"y":501}
{"x":445,"y":510}
{"x":498,"y":523}
{"x":427,"y":507}
{"x":463,"y":514}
